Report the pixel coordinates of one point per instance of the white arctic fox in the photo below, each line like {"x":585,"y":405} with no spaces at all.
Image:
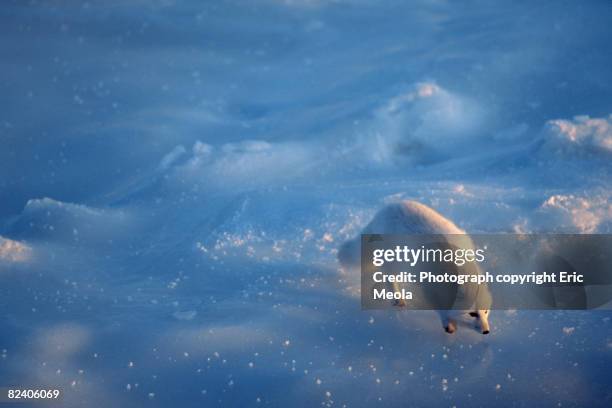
{"x":410,"y":217}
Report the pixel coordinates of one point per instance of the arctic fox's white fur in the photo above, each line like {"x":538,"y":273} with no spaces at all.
{"x":411,"y":217}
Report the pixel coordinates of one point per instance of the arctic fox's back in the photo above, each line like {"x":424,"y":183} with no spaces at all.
{"x":406,"y":217}
{"x":410,"y":217}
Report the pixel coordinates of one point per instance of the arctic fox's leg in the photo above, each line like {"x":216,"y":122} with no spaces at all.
{"x":396,"y":288}
{"x":449,"y":321}
{"x":450,"y":326}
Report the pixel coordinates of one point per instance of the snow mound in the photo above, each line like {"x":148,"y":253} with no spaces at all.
{"x":48,"y":205}
{"x":14,"y":251}
{"x":48,"y":218}
{"x":425,"y":124}
{"x":585,"y":214}
{"x":582,"y":134}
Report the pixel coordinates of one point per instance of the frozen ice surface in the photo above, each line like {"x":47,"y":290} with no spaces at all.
{"x":176,"y":180}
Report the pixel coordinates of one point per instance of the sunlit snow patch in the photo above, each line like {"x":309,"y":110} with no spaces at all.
{"x":14,"y":251}
{"x":587,"y":214}
{"x":582,"y":134}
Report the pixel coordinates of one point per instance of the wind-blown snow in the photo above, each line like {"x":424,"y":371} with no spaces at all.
{"x":245,"y":164}
{"x":176,"y":181}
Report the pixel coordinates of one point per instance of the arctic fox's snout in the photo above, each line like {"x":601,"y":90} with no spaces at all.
{"x":411,"y":217}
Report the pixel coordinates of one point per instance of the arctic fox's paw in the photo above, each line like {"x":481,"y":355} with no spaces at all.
{"x":450,"y":327}
{"x":399,"y":303}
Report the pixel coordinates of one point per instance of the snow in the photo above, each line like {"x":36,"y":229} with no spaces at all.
{"x":14,"y":251}
{"x":582,"y":133}
{"x":176,"y":182}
